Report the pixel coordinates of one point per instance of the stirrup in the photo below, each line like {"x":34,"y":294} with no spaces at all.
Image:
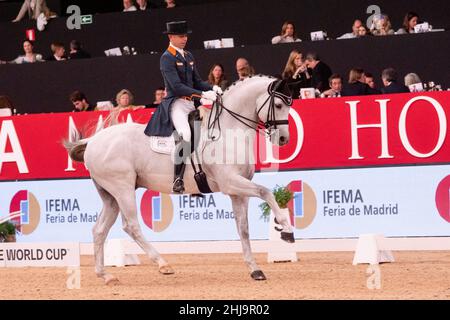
{"x":178,"y":185}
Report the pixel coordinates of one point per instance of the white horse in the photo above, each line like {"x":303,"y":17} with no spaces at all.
{"x":120,"y":160}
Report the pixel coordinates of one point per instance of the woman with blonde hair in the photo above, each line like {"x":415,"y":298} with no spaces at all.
{"x":287,"y":35}
{"x":296,"y":73}
{"x":124,"y":100}
{"x":381,"y":25}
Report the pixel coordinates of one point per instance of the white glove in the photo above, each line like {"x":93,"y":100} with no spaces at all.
{"x":205,"y":102}
{"x":210,"y":95}
{"x":217,"y":89}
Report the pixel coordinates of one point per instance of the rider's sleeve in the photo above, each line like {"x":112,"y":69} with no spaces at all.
{"x":168,"y":68}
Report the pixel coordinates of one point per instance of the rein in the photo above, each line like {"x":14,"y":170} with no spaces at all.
{"x":268,"y":126}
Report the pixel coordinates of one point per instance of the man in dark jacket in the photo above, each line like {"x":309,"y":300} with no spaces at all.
{"x":77,"y":52}
{"x":321,"y":72}
{"x":183,"y":85}
{"x":389,"y":77}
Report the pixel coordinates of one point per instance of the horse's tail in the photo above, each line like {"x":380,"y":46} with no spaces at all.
{"x":75,"y":145}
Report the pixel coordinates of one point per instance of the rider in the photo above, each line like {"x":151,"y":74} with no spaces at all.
{"x":183,"y":85}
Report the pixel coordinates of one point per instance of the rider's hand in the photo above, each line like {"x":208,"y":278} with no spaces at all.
{"x":210,"y":95}
{"x":217,"y":89}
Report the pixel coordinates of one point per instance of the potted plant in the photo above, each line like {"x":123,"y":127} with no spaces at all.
{"x":282,"y":196}
{"x":8,"y":231}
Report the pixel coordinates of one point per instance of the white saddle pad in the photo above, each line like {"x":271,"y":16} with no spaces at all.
{"x":166,"y":145}
{"x":163,"y":145}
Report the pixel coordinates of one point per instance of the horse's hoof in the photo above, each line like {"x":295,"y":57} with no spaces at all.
{"x":288,"y":237}
{"x":166,"y":270}
{"x":258,"y":275}
{"x":111,"y":280}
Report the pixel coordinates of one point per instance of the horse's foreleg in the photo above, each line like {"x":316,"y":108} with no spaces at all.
{"x":127,"y":204}
{"x":240,"y":186}
{"x":240,"y":209}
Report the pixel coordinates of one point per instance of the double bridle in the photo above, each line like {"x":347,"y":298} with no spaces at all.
{"x":271,"y":122}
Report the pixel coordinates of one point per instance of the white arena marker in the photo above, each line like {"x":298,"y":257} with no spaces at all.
{"x":371,"y":249}
{"x":279,"y":250}
{"x":116,"y":256}
{"x":39,"y":255}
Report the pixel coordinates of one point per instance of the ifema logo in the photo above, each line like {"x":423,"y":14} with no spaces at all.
{"x":156,"y":210}
{"x":25,"y":212}
{"x":443,"y":198}
{"x":303,"y":207}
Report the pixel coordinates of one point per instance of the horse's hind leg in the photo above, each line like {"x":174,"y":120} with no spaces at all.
{"x":127,"y":204}
{"x":100,"y":231}
{"x":240,"y":209}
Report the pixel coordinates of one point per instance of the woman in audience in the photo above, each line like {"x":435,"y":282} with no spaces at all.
{"x":356,"y":85}
{"x":362,"y":31}
{"x":34,"y":8}
{"x":409,"y":22}
{"x":125,"y":99}
{"x":29,"y":56}
{"x":382,"y":25}
{"x":412,"y":78}
{"x":217,"y":76}
{"x":287,"y":35}
{"x":296,"y":73}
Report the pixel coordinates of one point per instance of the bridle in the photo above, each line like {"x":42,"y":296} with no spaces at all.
{"x":267,"y":127}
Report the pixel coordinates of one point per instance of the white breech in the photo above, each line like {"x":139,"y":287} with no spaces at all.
{"x":179,"y":116}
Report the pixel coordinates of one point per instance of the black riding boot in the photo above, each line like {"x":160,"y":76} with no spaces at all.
{"x":180,"y":165}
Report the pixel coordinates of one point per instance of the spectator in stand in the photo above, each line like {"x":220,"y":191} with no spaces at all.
{"x":409,"y":22}
{"x":6,"y":106}
{"x":244,"y":69}
{"x":58,"y":52}
{"x":128,"y":6}
{"x":80,"y":102}
{"x":142,"y":5}
{"x":363,"y":31}
{"x":356,"y":85}
{"x":160,"y":93}
{"x":287,"y":35}
{"x":320,"y":73}
{"x":370,"y":81}
{"x":335,"y":82}
{"x":125,"y":99}
{"x":296,"y":73}
{"x":29,"y":56}
{"x":389,"y":78}
{"x":382,"y":25}
{"x":170,"y":4}
{"x":412,"y":78}
{"x":355,"y":31}
{"x":76,"y":51}
{"x":217,"y":76}
{"x":34,"y":8}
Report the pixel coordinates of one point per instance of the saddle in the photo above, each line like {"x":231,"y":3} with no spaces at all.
{"x":166,"y":145}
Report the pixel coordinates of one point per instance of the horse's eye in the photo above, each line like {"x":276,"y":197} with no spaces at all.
{"x":278,"y":106}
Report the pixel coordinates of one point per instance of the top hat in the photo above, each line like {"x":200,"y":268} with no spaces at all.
{"x":177,"y":27}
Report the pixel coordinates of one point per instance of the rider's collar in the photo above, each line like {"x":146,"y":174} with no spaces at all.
{"x":180,"y":51}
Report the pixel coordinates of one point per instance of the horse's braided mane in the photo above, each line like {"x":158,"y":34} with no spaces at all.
{"x":237,"y":82}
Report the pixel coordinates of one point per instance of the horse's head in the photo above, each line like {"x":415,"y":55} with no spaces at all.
{"x":273,"y":111}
